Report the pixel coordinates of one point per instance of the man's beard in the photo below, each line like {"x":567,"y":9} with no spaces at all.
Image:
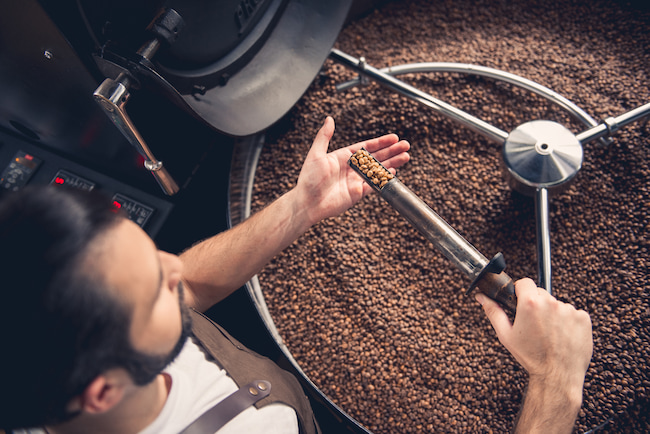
{"x":144,"y":368}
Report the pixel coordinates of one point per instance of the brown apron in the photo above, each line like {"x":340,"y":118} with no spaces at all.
{"x":245,"y":366}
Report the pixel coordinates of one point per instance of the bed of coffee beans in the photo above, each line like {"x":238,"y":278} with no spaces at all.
{"x":375,"y":316}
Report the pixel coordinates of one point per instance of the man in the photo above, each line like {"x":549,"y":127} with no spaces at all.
{"x":93,"y":314}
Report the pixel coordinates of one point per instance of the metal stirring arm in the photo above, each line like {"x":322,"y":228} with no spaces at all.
{"x":475,"y":124}
{"x":551,"y":161}
{"x":494,"y":74}
{"x":612,"y":124}
{"x":543,"y":227}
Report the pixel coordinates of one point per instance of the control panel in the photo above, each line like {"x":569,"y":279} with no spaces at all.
{"x":64,"y":177}
{"x":19,"y":170}
{"x":23,"y":163}
{"x":137,"y":211}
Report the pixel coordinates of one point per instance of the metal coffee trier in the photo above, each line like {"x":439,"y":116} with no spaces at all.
{"x":487,"y":276}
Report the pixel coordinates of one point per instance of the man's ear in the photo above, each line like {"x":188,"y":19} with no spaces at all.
{"x":102,"y":394}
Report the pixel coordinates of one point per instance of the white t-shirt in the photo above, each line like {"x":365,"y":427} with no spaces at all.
{"x":197,"y":385}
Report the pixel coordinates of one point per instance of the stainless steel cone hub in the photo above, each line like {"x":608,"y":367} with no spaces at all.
{"x":541,"y":154}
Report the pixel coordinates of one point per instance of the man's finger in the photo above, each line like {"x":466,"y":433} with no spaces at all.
{"x":396,"y":161}
{"x":375,"y":145}
{"x":379,"y":143}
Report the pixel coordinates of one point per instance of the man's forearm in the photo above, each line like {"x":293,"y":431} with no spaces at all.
{"x":325,"y":187}
{"x":217,"y":266}
{"x":549,"y":407}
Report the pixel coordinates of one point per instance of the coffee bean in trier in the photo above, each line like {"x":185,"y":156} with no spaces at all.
{"x":375,"y":316}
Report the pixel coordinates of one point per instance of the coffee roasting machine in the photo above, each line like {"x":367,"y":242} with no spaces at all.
{"x":163,"y":105}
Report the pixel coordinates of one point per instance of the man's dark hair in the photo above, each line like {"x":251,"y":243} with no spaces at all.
{"x":60,"y":325}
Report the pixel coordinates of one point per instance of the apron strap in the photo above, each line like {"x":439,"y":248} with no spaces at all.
{"x":219,"y":415}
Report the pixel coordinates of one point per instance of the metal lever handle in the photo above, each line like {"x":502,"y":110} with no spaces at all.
{"x":112,"y":96}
